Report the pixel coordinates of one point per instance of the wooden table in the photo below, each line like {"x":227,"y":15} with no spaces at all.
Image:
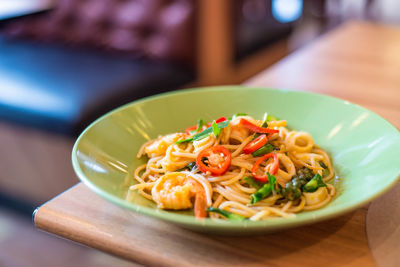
{"x":359,"y":62}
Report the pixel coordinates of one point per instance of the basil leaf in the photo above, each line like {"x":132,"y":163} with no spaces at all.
{"x":215,"y":128}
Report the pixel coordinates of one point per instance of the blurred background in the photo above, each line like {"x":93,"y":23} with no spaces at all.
{"x":64,"y":63}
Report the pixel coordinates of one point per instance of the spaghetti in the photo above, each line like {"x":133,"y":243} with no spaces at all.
{"x":237,"y":169}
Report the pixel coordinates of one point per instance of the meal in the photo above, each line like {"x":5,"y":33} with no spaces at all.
{"x":237,"y":169}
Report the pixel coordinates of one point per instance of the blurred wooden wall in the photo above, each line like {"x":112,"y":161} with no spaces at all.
{"x":216,"y":63}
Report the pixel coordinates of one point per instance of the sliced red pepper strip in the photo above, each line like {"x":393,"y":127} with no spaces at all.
{"x":255,"y":144}
{"x":190,"y":129}
{"x":217,"y":164}
{"x":256,"y":128}
{"x":217,"y":121}
{"x":220,"y":120}
{"x":273,"y":170}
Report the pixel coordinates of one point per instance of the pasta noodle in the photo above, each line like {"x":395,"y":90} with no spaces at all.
{"x":248,"y":168}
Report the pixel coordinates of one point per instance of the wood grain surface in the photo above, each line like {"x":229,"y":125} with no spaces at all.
{"x":383,"y":228}
{"x":82,"y":216}
{"x":359,"y":62}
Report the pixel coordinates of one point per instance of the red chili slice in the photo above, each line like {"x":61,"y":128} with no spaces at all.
{"x":256,"y":128}
{"x":273,"y":170}
{"x":218,"y":160}
{"x":255,"y":144}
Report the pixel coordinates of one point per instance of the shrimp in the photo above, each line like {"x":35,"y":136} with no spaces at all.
{"x":175,"y":191}
{"x":160,"y":145}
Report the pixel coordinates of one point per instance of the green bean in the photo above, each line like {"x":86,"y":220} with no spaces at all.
{"x":229,"y":215}
{"x":265,"y":149}
{"x":252,"y":182}
{"x":264,"y":191}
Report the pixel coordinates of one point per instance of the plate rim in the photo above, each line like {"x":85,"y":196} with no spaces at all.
{"x":187,"y":220}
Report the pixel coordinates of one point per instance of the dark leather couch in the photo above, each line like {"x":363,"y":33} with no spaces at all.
{"x":85,"y":57}
{"x":62,"y":69}
{"x":62,"y":89}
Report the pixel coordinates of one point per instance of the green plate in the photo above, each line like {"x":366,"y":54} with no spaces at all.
{"x":365,"y":148}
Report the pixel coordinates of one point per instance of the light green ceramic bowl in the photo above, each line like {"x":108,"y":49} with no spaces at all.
{"x":365,"y":148}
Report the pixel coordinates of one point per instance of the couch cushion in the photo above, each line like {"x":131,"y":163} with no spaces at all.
{"x":159,"y":29}
{"x":60,"y":89}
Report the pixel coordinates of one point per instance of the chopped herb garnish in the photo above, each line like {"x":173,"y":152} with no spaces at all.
{"x":200,"y":124}
{"x":215,"y":128}
{"x":204,"y":133}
